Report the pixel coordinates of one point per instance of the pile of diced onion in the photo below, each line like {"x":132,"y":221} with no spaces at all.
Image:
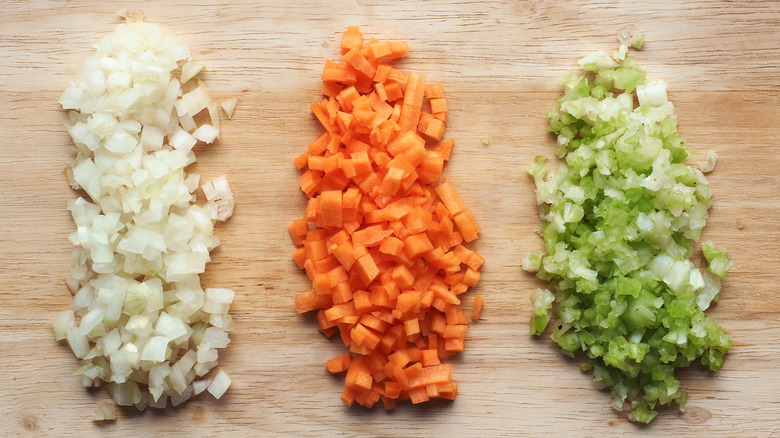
{"x":139,"y":320}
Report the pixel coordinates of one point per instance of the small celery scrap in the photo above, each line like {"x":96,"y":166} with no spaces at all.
{"x":620,"y":220}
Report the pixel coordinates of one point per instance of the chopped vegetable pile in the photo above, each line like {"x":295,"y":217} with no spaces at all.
{"x":139,"y":320}
{"x":620,"y":220}
{"x":383,"y":248}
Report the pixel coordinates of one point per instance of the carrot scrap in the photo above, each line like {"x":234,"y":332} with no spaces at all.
{"x":381,"y":242}
{"x":476,"y":308}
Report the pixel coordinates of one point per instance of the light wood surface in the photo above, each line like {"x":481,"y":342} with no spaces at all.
{"x":499,"y":62}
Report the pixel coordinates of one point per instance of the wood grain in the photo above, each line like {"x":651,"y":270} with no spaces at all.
{"x":499,"y":62}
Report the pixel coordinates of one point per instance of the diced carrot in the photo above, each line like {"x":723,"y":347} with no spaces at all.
{"x":363,"y":83}
{"x":370,"y":236}
{"x":315,"y":249}
{"x":448,"y":391}
{"x":455,"y":331}
{"x":425,"y":120}
{"x":456,"y":315}
{"x":359,"y":374}
{"x":298,"y":231}
{"x":404,"y":142}
{"x":429,"y":357}
{"x":331,"y":89}
{"x":299,"y":256}
{"x":330,"y":208}
{"x":346,"y":97}
{"x":388,"y":403}
{"x":387,"y":49}
{"x":432,"y":375}
{"x":339,"y":363}
{"x":348,"y":396}
{"x":445,"y":149}
{"x":355,"y":58}
{"x":339,"y":311}
{"x":432,"y":167}
{"x":379,"y":105}
{"x":302,"y":160}
{"x":379,"y":88}
{"x":397,"y":209}
{"x":433,"y":342}
{"x":380,"y":76}
{"x":475,"y":261}
{"x":438,"y":105}
{"x":438,"y":323}
{"x":467,"y":224}
{"x":471,"y":277}
{"x":454,"y":344}
{"x":407,"y":302}
{"x":366,"y":268}
{"x":319,"y":145}
{"x":341,"y":293}
{"x":374,"y":323}
{"x":403,"y":277}
{"x":413,"y":99}
{"x":310,"y":182}
{"x":305,"y":302}
{"x":392,"y":389}
{"x":433,"y":128}
{"x":385,"y":251}
{"x":417,"y":244}
{"x":434,"y":91}
{"x":418,"y":395}
{"x":320,"y":111}
{"x":363,"y":336}
{"x":412,"y":327}
{"x":351,"y":39}
{"x":446,"y":295}
{"x":396,"y":75}
{"x":393,"y":91}
{"x":391,"y":245}
{"x":450,"y":197}
{"x":345,"y":254}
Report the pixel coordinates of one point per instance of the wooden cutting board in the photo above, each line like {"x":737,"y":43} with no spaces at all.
{"x":499,"y":62}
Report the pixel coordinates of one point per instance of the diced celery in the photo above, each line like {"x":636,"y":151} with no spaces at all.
{"x":619,"y":222}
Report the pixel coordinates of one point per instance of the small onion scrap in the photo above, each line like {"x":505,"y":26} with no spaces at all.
{"x":139,"y":320}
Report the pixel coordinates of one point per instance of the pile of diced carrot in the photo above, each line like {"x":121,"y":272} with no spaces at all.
{"x":385,"y":250}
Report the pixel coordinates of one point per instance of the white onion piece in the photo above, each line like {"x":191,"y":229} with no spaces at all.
{"x":206,"y":133}
{"x":62,"y":323}
{"x":190,"y":70}
{"x":220,"y":384}
{"x":106,"y":412}
{"x":229,"y":106}
{"x":139,"y":320}
{"x":195,"y":101}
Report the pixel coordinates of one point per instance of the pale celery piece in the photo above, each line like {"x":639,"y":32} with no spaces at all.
{"x":620,"y":219}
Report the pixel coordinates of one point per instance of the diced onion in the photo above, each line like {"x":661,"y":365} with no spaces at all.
{"x":139,"y":321}
{"x":220,"y":384}
{"x":106,"y":412}
{"x":229,"y":106}
{"x":190,"y":70}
